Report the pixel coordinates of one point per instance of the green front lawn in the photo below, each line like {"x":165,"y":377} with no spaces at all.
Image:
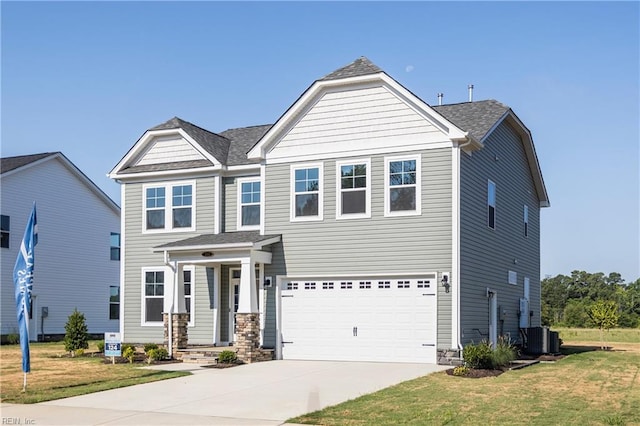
{"x":587,"y":387}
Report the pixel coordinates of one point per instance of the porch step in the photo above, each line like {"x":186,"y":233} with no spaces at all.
{"x":202,"y":355}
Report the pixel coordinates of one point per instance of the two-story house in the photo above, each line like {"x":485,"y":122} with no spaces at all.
{"x":364,"y":224}
{"x":77,"y":259}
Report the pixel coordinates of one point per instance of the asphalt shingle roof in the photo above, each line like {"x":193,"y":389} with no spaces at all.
{"x":242,"y":140}
{"x":219,"y":239}
{"x":214,"y":144}
{"x":476,"y":118}
{"x":361,"y":66}
{"x":11,"y":163}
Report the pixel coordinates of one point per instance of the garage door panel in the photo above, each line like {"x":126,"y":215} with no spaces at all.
{"x":370,"y":320}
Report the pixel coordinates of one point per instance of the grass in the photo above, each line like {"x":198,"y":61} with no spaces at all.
{"x":587,"y":387}
{"x":55,"y":376}
{"x":616,"y":335}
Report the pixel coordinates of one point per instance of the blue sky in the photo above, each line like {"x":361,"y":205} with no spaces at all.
{"x":88,"y":79}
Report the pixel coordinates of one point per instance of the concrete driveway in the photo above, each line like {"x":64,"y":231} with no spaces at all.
{"x":266,"y":393}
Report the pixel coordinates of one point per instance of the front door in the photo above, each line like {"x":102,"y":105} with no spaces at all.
{"x":234,"y":298}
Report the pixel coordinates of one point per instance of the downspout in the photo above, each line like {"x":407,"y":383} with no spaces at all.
{"x":456,"y":270}
{"x":167,"y":262}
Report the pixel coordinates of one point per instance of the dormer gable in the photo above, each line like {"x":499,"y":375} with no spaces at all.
{"x":175,"y":146}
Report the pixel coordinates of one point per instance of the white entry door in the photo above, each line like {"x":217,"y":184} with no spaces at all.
{"x":390,"y":320}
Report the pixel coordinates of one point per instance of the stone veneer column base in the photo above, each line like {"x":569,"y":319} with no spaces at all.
{"x":180,"y":336}
{"x":248,"y":339}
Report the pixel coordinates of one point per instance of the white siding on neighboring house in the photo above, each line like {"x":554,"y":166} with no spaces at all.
{"x":73,"y":268}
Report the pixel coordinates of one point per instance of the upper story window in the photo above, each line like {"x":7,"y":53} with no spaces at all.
{"x":525,"y":219}
{"x":169,"y":207}
{"x":353,"y":189}
{"x":306,"y":197}
{"x":491,"y":205}
{"x":4,"y":229}
{"x":153,"y":295}
{"x":249,"y":203}
{"x":402,"y":186}
{"x":115,"y":246}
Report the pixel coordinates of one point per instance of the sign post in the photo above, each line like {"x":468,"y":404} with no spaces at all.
{"x":112,"y":346}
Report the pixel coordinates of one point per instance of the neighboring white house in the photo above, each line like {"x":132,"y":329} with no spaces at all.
{"x":77,"y":259}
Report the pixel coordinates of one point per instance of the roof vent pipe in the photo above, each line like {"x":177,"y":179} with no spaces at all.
{"x":440,"y":95}
{"x":470,"y":92}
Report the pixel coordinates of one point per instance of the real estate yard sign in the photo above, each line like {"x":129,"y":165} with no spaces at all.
{"x":112,"y":345}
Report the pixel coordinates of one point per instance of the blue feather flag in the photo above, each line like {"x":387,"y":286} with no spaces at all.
{"x":23,"y":280}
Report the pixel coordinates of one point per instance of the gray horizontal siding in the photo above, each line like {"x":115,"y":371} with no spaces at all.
{"x":138,"y":254}
{"x":487,"y":255}
{"x":376,"y":245}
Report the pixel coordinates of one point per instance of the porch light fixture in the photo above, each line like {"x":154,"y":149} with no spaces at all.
{"x":445,"y":283}
{"x":207,"y":254}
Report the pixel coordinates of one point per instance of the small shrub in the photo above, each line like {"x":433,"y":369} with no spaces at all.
{"x":478,"y":356}
{"x":76,"y":332}
{"x":124,"y":347}
{"x":149,"y":346}
{"x":157,"y":354}
{"x":503,"y":354}
{"x":461,"y":370}
{"x":13,"y":338}
{"x":78,"y":352}
{"x":129,"y":353}
{"x":100,"y":346}
{"x":227,"y":357}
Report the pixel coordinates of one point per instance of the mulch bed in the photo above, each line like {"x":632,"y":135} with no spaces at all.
{"x":478,"y":373}
{"x":222,"y":365}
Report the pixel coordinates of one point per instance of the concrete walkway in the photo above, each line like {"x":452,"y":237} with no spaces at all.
{"x":266,"y":393}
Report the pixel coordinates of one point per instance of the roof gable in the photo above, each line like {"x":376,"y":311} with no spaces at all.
{"x":359,"y":75}
{"x":173,"y":145}
{"x":13,"y":165}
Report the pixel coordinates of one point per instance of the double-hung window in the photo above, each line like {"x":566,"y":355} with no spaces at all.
{"x":249,"y":203}
{"x":114,"y":302}
{"x":525,"y":219}
{"x":402,"y":186}
{"x":491,"y":205}
{"x":353,"y":189}
{"x":306,"y":192}
{"x":153,"y":296}
{"x":169,"y":207}
{"x":4,"y":228}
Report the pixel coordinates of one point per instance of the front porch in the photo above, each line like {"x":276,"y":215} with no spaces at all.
{"x":234,"y":265}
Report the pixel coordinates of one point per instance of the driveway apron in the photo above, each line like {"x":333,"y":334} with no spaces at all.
{"x":266,"y":393}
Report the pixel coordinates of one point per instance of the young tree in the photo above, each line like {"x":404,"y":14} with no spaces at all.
{"x":76,"y":332}
{"x":604,"y":313}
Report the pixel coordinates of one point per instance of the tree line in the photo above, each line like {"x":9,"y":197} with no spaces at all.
{"x":568,"y":300}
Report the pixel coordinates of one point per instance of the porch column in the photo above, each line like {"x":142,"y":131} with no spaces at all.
{"x":248,"y":317}
{"x":179,"y":306}
{"x":248,"y":298}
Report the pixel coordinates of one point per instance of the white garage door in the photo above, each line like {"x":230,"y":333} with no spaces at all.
{"x":391,"y":320}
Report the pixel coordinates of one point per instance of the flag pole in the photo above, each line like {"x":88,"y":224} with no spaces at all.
{"x":26,"y":320}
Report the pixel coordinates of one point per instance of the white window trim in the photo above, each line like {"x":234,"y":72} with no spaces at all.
{"x":292,"y":193}
{"x":512,"y":277}
{"x":192,"y":316}
{"x":168,"y":206}
{"x":387,"y":187}
{"x":168,"y":283}
{"x":367,"y":213}
{"x":239,"y":183}
{"x":525,"y":221}
{"x":495,"y":202}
